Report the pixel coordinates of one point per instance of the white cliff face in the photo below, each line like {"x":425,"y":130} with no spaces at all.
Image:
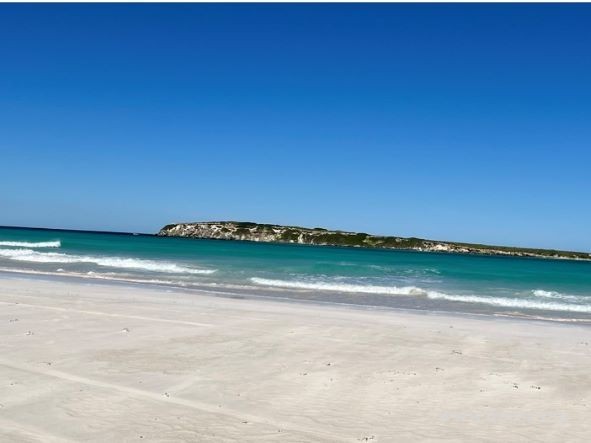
{"x":225,"y":231}
{"x":289,"y":234}
{"x":245,"y":231}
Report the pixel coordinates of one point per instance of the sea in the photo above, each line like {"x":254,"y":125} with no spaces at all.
{"x":548,"y":289}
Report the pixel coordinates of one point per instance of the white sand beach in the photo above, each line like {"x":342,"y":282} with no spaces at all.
{"x":101,"y":362}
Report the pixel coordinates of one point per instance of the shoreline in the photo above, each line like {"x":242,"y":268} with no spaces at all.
{"x":246,"y":296}
{"x":280,"y":296}
{"x":92,"y":361}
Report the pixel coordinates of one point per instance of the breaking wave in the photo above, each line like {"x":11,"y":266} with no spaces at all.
{"x":340,"y":287}
{"x":503,"y":302}
{"x":28,"y":244}
{"x":559,"y":296}
{"x":512,"y":302}
{"x":30,"y":255}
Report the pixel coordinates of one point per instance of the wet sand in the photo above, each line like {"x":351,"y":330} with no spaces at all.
{"x":95,"y":362}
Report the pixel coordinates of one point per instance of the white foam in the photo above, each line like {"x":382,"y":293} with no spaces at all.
{"x":340,"y":287}
{"x":434,"y":295}
{"x":546,"y":294}
{"x":511,"y":302}
{"x":560,"y":296}
{"x":30,"y":255}
{"x":94,"y":275}
{"x":27,"y":244}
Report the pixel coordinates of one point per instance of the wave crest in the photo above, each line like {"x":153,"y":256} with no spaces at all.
{"x":28,"y":244}
{"x":503,"y":302}
{"x":559,"y":296}
{"x":340,"y":287}
{"x":30,"y":255}
{"x":512,"y":302}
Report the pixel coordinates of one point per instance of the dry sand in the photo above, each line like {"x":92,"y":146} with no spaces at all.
{"x":94,"y":362}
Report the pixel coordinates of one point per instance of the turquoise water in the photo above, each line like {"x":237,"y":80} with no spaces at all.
{"x":404,"y":279}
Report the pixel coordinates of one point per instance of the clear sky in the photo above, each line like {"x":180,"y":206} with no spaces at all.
{"x":452,"y":122}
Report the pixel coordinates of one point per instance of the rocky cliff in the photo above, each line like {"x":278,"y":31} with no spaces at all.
{"x":231,"y":230}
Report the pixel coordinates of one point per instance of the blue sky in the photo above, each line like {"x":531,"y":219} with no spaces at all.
{"x":457,"y":122}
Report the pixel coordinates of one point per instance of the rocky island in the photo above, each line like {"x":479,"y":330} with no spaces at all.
{"x":257,"y":232}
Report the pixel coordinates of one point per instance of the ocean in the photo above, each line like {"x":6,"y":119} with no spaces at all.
{"x":511,"y":286}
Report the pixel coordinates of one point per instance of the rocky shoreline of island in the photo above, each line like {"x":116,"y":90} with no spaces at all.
{"x":270,"y":233}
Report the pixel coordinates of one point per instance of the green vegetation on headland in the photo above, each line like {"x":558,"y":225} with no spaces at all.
{"x":231,"y":230}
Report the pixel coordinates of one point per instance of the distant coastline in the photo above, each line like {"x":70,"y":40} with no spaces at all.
{"x":268,"y":233}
